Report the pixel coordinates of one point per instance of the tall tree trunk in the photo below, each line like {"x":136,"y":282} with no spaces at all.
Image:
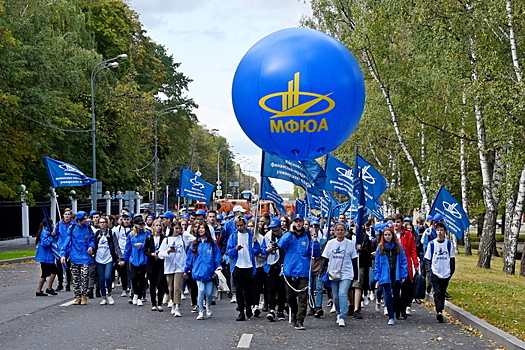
{"x":393,"y":115}
{"x":510,"y":245}
{"x":464,"y":190}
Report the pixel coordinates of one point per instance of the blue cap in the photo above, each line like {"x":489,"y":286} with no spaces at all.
{"x":185,"y":216}
{"x":220,"y":216}
{"x":298,"y":217}
{"x":438,"y":217}
{"x":168,"y":215}
{"x":223,"y":222}
{"x":150,"y":217}
{"x":136,"y":215}
{"x":92,"y":212}
{"x":409,"y":219}
{"x":430,"y":217}
{"x":314,"y":222}
{"x":274,"y":223}
{"x":126,"y":213}
{"x":81,"y":215}
{"x":199,"y":212}
{"x":246,"y":217}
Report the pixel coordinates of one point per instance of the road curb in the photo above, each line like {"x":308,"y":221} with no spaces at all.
{"x":502,"y":338}
{"x":17,"y":260}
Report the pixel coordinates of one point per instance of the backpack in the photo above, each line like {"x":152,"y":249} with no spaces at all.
{"x":419,"y":286}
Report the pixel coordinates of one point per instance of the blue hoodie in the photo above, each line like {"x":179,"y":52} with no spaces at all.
{"x":44,"y":253}
{"x":76,"y":243}
{"x":135,"y":255}
{"x":61,"y":231}
{"x":254,"y":249}
{"x":382,"y":267}
{"x":204,"y":264}
{"x":299,"y":252}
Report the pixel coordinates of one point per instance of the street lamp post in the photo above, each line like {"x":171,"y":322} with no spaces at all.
{"x":218,"y":166}
{"x":100,"y":66}
{"x":161,"y":113}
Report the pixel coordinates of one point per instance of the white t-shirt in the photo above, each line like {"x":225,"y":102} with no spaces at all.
{"x":441,"y":258}
{"x":243,"y":261}
{"x":340,"y":255}
{"x":103,"y":253}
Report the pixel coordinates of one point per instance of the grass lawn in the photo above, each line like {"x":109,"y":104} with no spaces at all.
{"x":17,"y":254}
{"x":491,"y":295}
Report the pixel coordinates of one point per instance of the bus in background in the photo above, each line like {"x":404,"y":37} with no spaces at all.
{"x":269,"y":207}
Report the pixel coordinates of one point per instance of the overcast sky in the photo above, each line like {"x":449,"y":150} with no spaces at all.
{"x":209,"y":38}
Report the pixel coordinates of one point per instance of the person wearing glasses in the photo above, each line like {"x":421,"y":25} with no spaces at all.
{"x":106,"y":253}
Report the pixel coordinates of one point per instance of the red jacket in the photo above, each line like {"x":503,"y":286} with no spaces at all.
{"x":409,"y":246}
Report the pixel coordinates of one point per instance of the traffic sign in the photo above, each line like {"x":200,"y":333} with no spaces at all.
{"x":218,"y":193}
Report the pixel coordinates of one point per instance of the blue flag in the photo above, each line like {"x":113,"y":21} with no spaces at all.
{"x":328,"y":202}
{"x":456,"y":219}
{"x":314,"y":201}
{"x":63,"y":174}
{"x":360,"y":200}
{"x":300,"y":206}
{"x":374,"y":183}
{"x":308,"y":174}
{"x":268,"y":192}
{"x":377,"y":211}
{"x":193,"y":187}
{"x":338,"y":176}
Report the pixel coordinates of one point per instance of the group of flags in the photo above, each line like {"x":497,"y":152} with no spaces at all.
{"x":362,"y":185}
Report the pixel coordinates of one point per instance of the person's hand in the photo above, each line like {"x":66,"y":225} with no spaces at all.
{"x":171,"y":250}
{"x":63,"y":260}
{"x":154,"y":255}
{"x":185,"y":276}
{"x":121,"y":263}
{"x":90,"y":250}
{"x":239,"y":247}
{"x":402,"y":280}
{"x":358,"y":246}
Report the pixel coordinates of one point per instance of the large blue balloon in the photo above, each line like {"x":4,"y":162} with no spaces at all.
{"x":298,"y":93}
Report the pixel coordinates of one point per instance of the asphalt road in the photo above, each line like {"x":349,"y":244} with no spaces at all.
{"x":30,"y":322}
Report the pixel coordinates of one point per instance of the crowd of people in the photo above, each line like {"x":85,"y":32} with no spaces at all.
{"x":273,"y":265}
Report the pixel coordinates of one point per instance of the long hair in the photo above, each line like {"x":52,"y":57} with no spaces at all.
{"x":195,"y":247}
{"x":382,"y":248}
{"x":158,"y":220}
{"x":40,"y":229}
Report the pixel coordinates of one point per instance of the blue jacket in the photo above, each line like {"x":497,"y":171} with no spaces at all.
{"x":254,"y":249}
{"x":61,"y":231}
{"x":76,"y":243}
{"x":204,"y":264}
{"x":44,"y":253}
{"x":135,"y":255}
{"x":382,"y":267}
{"x":299,"y":252}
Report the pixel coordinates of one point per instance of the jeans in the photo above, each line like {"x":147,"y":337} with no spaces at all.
{"x":340,"y":292}
{"x":104,"y":272}
{"x":392,"y":296}
{"x":204,"y":287}
{"x":317,"y":286}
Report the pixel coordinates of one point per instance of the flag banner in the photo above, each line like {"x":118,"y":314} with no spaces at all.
{"x":377,"y":211}
{"x":456,"y":219}
{"x":193,"y":187}
{"x":374,"y":183}
{"x":63,"y":174}
{"x":300,"y":206}
{"x":361,"y":199}
{"x":314,"y":201}
{"x":268,"y":192}
{"x":341,"y":209}
{"x":338,"y":176}
{"x":308,"y":174}
{"x":328,"y":202}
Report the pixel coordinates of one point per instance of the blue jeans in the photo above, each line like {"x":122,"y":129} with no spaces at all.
{"x":340,"y":295}
{"x":392,"y":295}
{"x":204,"y":287}
{"x":104,"y":272}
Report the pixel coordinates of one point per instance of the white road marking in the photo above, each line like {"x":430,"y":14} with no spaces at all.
{"x":69,"y":303}
{"x":245,"y":340}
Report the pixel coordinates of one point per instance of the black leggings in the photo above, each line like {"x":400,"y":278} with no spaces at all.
{"x":138,"y":279}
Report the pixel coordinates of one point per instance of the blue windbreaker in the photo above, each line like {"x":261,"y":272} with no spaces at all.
{"x":204,"y":264}
{"x":255,"y":249}
{"x":382,"y":267}
{"x":44,"y":253}
{"x":135,"y":255}
{"x":61,"y":231}
{"x":76,"y":243}
{"x":299,"y":252}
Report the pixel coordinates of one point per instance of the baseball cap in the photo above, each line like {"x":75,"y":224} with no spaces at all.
{"x":274,"y":223}
{"x":438,"y":217}
{"x":138,"y":220}
{"x":199,"y":212}
{"x":185,"y":216}
{"x":168,"y":214}
{"x":239,"y":208}
{"x":298,"y":217}
{"x":409,"y":219}
{"x":126,"y":213}
{"x":81,"y":215}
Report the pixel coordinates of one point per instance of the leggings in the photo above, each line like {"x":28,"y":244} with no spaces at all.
{"x":138,"y":279}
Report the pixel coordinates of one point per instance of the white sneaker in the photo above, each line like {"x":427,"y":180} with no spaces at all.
{"x":124,"y":294}
{"x":139,"y":302}
{"x":372,"y":296}
{"x":201,"y":315}
{"x":391,"y":322}
{"x":367,"y":301}
{"x":409,"y":310}
{"x":177,"y":312}
{"x":332,"y":310}
{"x":166,"y":299}
{"x":186,"y":291}
{"x":104,"y":302}
{"x":234,"y":299}
{"x":136,"y":299}
{"x":378,"y":306}
{"x":111,"y":301}
{"x":170,"y":304}
{"x":183,"y":297}
{"x":341,"y":322}
{"x":385,"y":311}
{"x":337,"y":319}
{"x":208,"y":311}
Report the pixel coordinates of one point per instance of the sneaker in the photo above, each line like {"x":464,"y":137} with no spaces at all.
{"x":318,"y":313}
{"x":332,"y":310}
{"x":59,"y":288}
{"x":271,"y":316}
{"x":391,"y":322}
{"x":404,"y":315}
{"x":124,"y":294}
{"x":183,"y":297}
{"x":366,"y":301}
{"x":83,"y":301}
{"x":299,"y":326}
{"x":372,"y":296}
{"x":77,"y":302}
{"x":170,"y":304}
{"x":177,"y":312}
{"x":249,"y":312}
{"x":41,"y":294}
{"x":408,"y":310}
{"x":208,"y":311}
{"x":280,"y":316}
{"x":68,"y":288}
{"x":111,"y":301}
{"x":378,"y":306}
{"x":104,"y":302}
{"x":139,"y":302}
{"x":153,"y":308}
{"x":337,"y":319}
{"x":357,"y":315}
{"x":201,"y":315}
{"x":385,"y":311}
{"x":130,"y":301}
{"x":166,"y":298}
{"x":448,"y":296}
{"x":330,"y":303}
{"x":194,"y":308}
{"x":256,"y":312}
{"x":135,"y":300}
{"x":51,"y":291}
{"x":234,"y":299}
{"x":241,"y":317}
{"x":439,"y":317}
{"x":341,"y":322}
{"x":350,"y":311}
{"x":160,"y":309}
{"x":173,"y":310}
